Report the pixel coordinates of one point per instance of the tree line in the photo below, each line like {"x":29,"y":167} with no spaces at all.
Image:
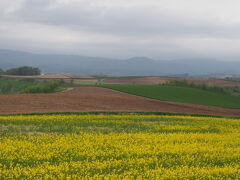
{"x":21,"y":71}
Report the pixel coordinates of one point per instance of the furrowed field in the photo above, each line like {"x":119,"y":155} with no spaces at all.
{"x":119,"y":147}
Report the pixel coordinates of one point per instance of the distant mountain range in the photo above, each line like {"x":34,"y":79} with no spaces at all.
{"x":74,"y":64}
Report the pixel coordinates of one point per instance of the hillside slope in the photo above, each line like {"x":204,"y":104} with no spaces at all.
{"x":180,"y":94}
{"x":50,"y":63}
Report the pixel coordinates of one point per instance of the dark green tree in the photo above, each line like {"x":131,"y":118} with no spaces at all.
{"x":24,"y":71}
{"x":1,"y":71}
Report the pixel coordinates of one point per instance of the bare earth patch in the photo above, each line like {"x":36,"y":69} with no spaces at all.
{"x":17,"y":127}
{"x":87,"y":99}
{"x":160,"y":80}
{"x":155,"y":122}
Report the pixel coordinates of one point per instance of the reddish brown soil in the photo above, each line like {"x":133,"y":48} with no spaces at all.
{"x":51,"y":76}
{"x":140,"y":80}
{"x":217,"y":82}
{"x":160,"y":80}
{"x":85,"y":99}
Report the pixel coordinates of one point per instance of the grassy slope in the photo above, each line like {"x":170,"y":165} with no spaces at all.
{"x":180,"y":94}
{"x":13,"y":86}
{"x":16,"y":86}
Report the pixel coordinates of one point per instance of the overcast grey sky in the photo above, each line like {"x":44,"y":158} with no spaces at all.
{"x":123,"y":28}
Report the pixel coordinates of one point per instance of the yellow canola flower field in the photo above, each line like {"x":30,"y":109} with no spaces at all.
{"x":119,"y":147}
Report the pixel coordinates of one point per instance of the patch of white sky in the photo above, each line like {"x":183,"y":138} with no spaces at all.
{"x":222,"y":10}
{"x":224,"y":14}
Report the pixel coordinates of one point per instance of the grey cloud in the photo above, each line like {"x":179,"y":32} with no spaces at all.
{"x":145,"y":31}
{"x":120,"y":21}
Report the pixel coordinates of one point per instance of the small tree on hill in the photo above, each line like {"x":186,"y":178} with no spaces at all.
{"x":24,"y":71}
{"x":1,"y":71}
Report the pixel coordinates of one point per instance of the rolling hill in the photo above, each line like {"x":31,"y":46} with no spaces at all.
{"x":180,"y":94}
{"x":57,"y":63}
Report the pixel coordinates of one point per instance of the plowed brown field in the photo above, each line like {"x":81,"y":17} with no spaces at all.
{"x":50,"y":76}
{"x":160,"y":80}
{"x":86,"y":99}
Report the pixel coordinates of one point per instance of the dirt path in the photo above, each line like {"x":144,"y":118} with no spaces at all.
{"x":85,"y":99}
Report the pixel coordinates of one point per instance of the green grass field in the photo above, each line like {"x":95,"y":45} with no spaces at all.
{"x":26,"y":86}
{"x":180,"y":94}
{"x":119,"y":147}
{"x":13,"y":86}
